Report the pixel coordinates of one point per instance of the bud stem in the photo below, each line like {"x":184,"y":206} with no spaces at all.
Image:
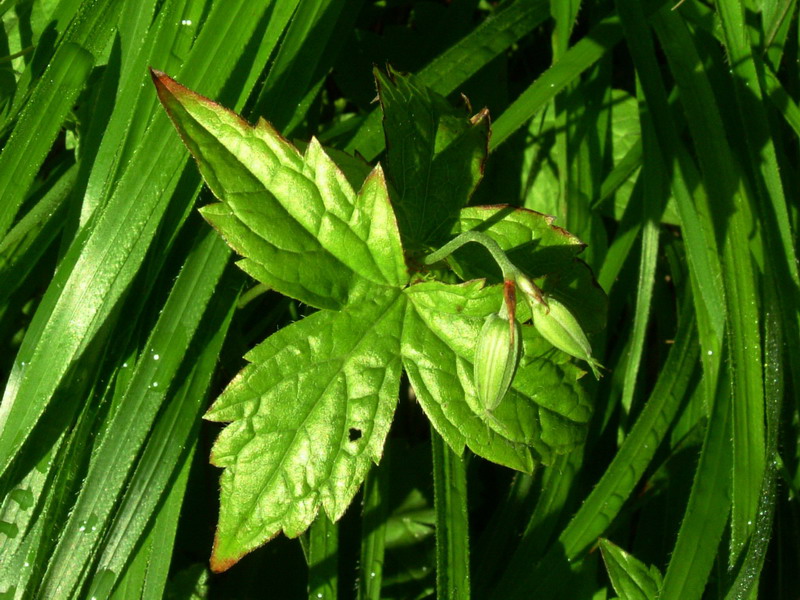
{"x":509,"y":269}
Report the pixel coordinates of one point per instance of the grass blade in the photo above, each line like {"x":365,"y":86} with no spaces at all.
{"x":452,"y":526}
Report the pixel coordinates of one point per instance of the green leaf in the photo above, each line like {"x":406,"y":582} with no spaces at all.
{"x":294,"y":217}
{"x":631,"y":578}
{"x":533,"y":243}
{"x":435,"y":156}
{"x":539,"y":248}
{"x":452,"y":522}
{"x":544,"y":413}
{"x":311,"y":413}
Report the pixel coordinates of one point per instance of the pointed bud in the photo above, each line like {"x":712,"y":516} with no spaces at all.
{"x":558,"y":325}
{"x":532,"y":291}
{"x":496,"y":359}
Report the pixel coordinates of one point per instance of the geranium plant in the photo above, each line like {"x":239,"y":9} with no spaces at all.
{"x":487,"y":332}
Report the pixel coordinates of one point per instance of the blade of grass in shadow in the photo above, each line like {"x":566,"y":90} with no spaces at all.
{"x":620,"y":478}
{"x":552,"y":509}
{"x":745,"y":584}
{"x":490,"y":550}
{"x":458,"y":63}
{"x":729,"y":194}
{"x":168,"y":45}
{"x":591,"y":47}
{"x":627,"y":233}
{"x":675,"y":382}
{"x":452,"y":522}
{"x":697,"y":222}
{"x":146,"y":574}
{"x":708,"y":508}
{"x":322,"y":555}
{"x":307,"y":42}
{"x":570,"y":208}
{"x":25,"y":244}
{"x":769,"y":204}
{"x":654,"y":188}
{"x":782,"y":101}
{"x":107,"y":102}
{"x":374,"y":517}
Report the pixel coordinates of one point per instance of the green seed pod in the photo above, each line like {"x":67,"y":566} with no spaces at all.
{"x":558,"y":325}
{"x":496,"y":359}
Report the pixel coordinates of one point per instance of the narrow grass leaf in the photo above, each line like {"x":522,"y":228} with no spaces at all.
{"x":452,"y":522}
{"x":50,"y":101}
{"x":730,"y":195}
{"x":322,"y":556}
{"x":620,"y":478}
{"x":127,"y":431}
{"x":374,"y":526}
{"x":169,"y":446}
{"x":708,"y":509}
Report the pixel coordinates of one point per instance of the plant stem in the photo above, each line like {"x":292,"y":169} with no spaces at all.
{"x":510,"y":271}
{"x":506,"y":266}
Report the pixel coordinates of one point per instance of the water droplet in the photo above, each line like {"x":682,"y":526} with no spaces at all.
{"x":155,"y":384}
{"x":124,"y":365}
{"x":710,"y":352}
{"x":156,"y":357}
{"x":186,"y":21}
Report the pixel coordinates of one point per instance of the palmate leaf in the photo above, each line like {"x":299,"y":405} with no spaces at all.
{"x":544,"y":414}
{"x":310,"y":414}
{"x":311,"y":411}
{"x":435,"y":157}
{"x":294,"y":217}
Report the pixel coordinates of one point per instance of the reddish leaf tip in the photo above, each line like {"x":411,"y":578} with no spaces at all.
{"x":219,"y":564}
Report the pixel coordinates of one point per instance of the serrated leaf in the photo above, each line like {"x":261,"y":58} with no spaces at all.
{"x":294,"y":217}
{"x":435,"y":156}
{"x":631,"y":578}
{"x":311,"y":411}
{"x":543,"y":414}
{"x":310,"y":414}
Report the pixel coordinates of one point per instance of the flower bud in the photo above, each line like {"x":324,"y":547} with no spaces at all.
{"x":558,"y":325}
{"x":496,"y":359}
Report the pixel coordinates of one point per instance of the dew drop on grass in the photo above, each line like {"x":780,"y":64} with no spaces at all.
{"x":156,"y":357}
